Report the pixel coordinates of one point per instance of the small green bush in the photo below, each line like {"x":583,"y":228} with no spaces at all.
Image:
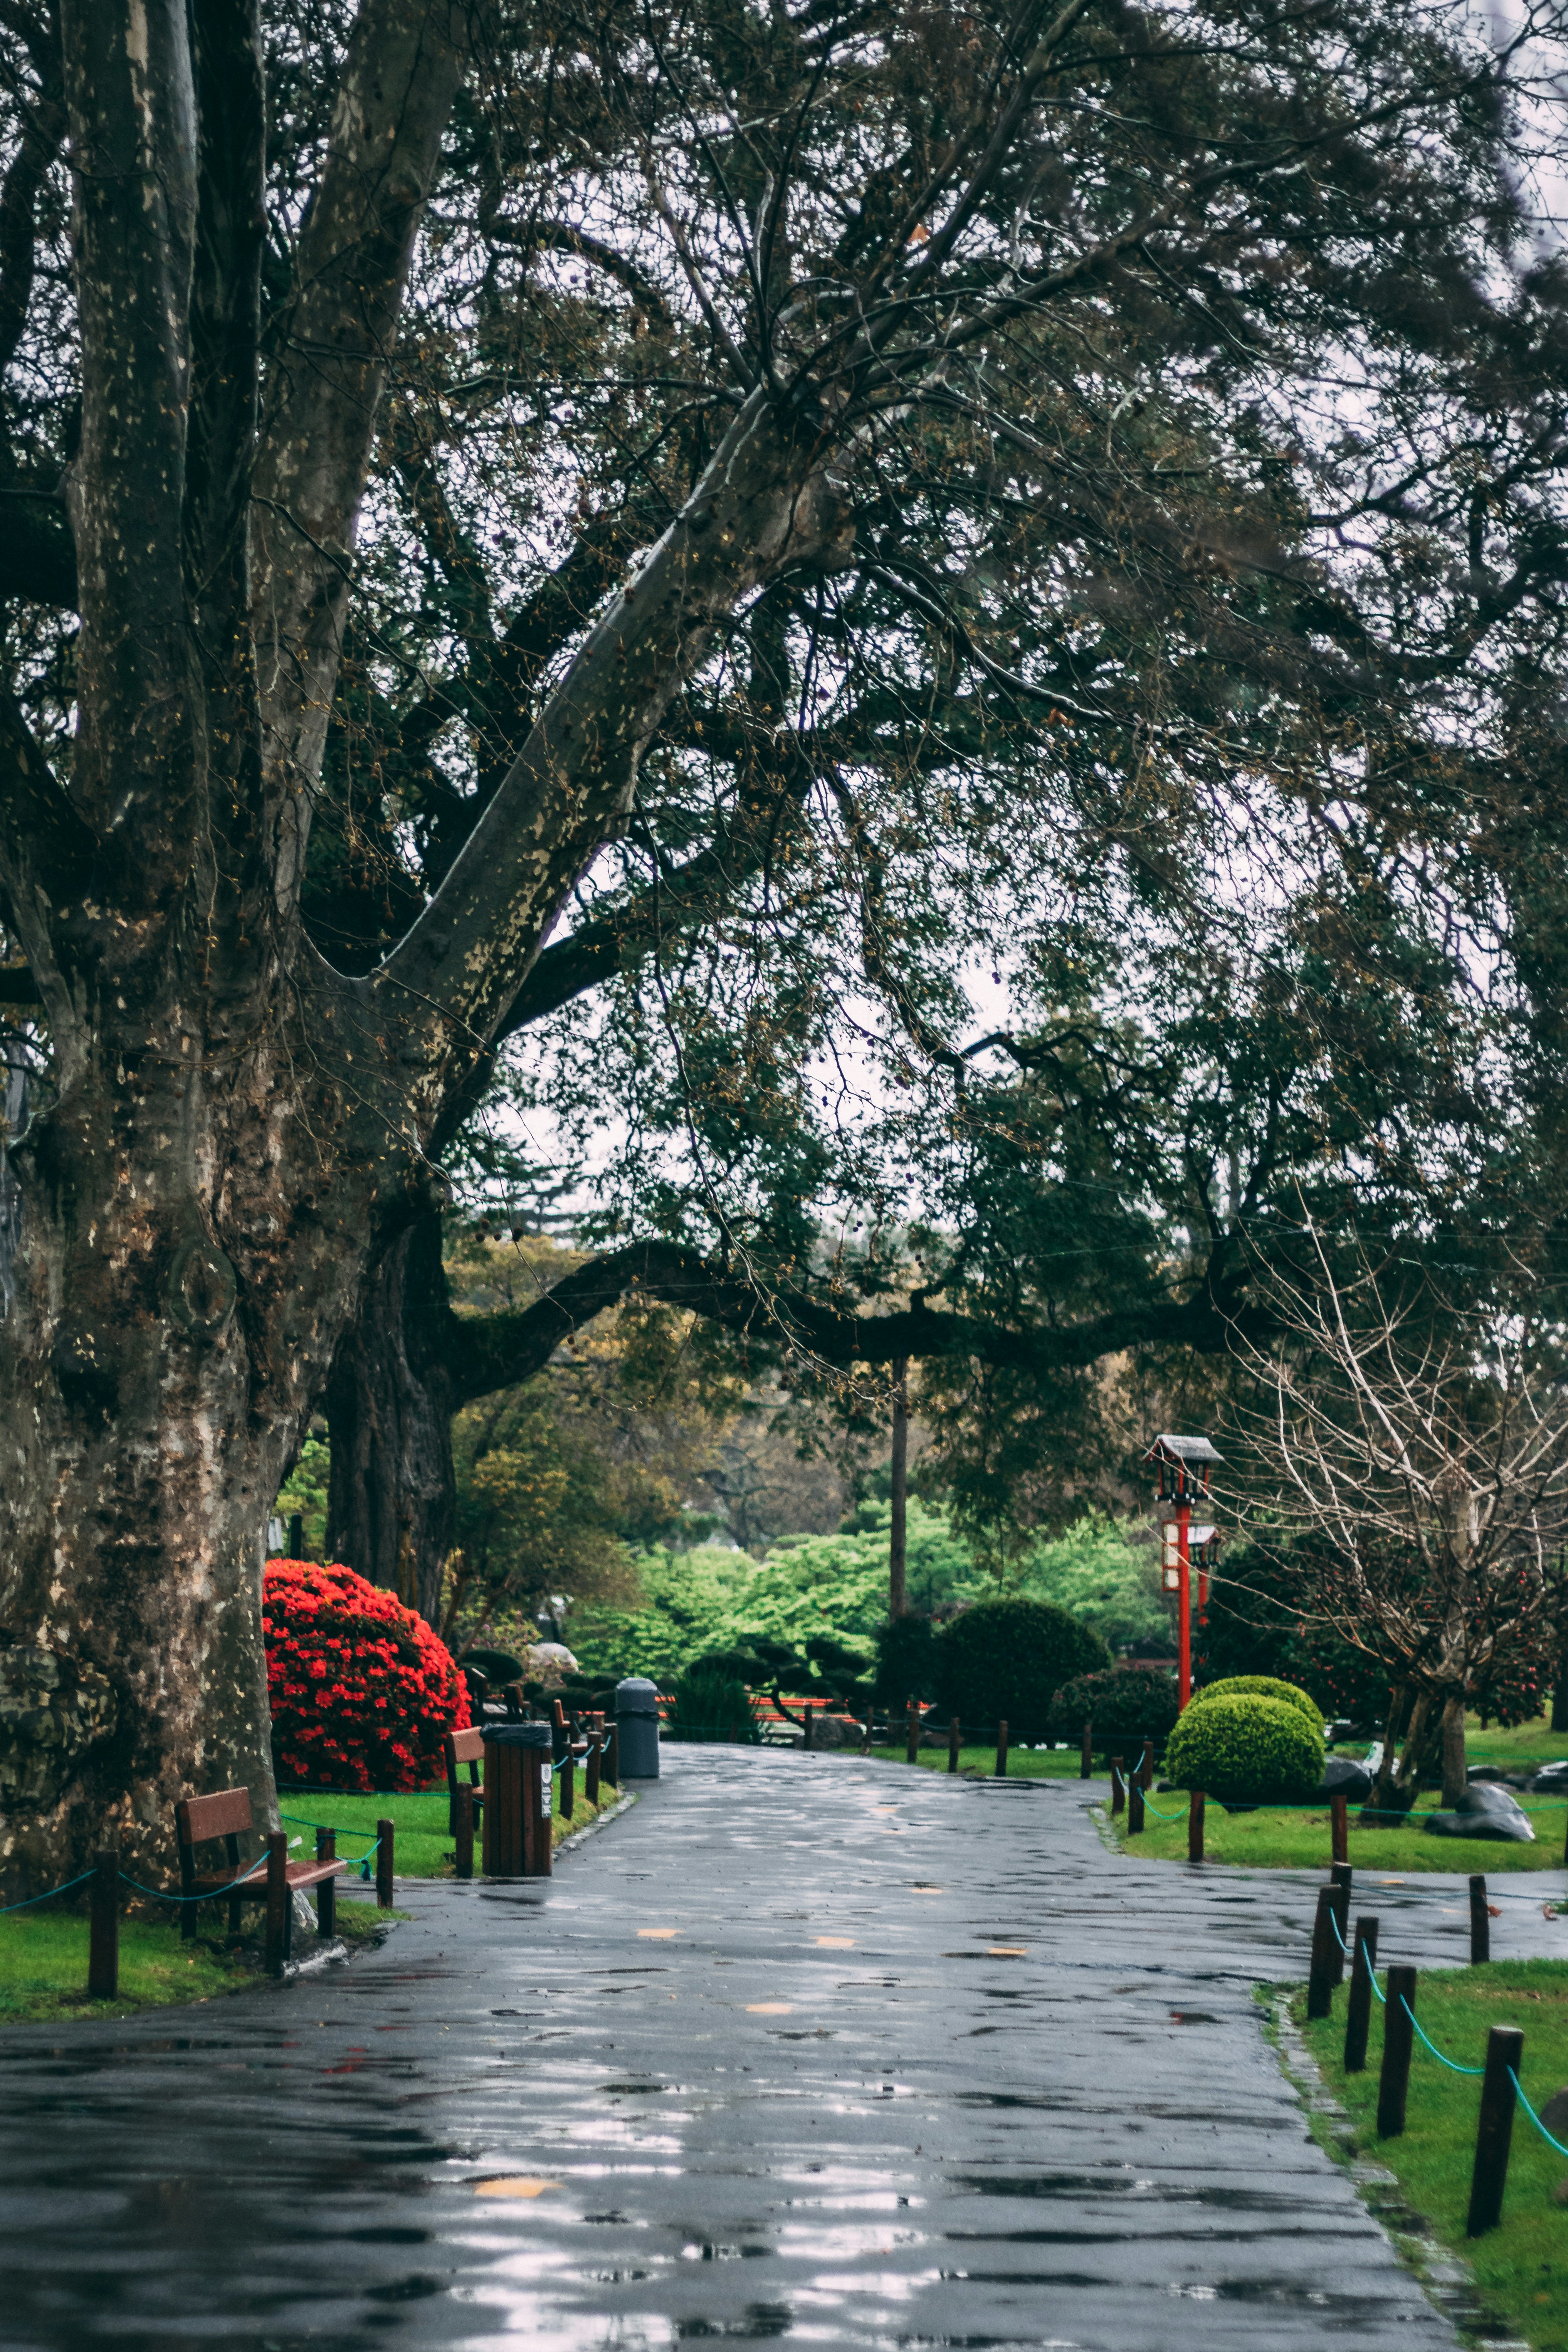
{"x":1243,"y":1748}
{"x":906,"y":1660}
{"x":1264,"y":1686}
{"x":1122,"y":1708}
{"x":1001,"y":1661}
{"x":712,"y":1703}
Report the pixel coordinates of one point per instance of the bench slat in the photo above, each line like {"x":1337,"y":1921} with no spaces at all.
{"x":468,"y":1747}
{"x":223,"y":1814}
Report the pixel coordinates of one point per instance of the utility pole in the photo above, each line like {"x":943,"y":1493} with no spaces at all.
{"x":898,"y":1600}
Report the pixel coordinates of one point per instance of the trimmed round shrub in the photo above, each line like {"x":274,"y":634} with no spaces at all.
{"x":1263,"y":1686}
{"x":1122,"y":1708}
{"x":1242,"y":1747}
{"x":1001,"y":1661}
{"x":362,"y":1692}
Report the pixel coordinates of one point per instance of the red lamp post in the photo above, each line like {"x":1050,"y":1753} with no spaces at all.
{"x":1184,"y":1464}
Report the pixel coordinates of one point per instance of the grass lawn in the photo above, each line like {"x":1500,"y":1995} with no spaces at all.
{"x":43,"y":1962}
{"x":422,"y":1844}
{"x":1522,"y":2266}
{"x":1302,"y":1841}
{"x":1023,"y":1763}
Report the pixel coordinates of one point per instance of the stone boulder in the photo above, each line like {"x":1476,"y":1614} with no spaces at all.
{"x":1343,"y":1777}
{"x":1484,"y":1810}
{"x":1551,"y":1779}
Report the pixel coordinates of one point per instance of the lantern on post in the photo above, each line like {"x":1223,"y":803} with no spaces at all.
{"x":1184,"y":1464}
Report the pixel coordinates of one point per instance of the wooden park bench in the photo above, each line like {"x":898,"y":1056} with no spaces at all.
{"x":225,"y":1815}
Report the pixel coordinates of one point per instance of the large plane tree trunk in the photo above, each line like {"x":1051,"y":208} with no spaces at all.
{"x":239,"y":1131}
{"x":392,"y":1503}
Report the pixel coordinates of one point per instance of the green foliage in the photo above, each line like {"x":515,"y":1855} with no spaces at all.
{"x":712,"y":1702}
{"x":906,"y":1661}
{"x":1257,"y":1625}
{"x":1003,"y":1660}
{"x":1101,"y":1579}
{"x":821,"y":1586}
{"x":1246,"y":1748}
{"x":1124,"y":1708}
{"x":1263,"y":1686}
{"x":305,"y":1491}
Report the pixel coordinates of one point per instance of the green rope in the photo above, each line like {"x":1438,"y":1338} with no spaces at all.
{"x":1427,"y":2038}
{"x":29,"y":1900}
{"x":1535,"y":2119}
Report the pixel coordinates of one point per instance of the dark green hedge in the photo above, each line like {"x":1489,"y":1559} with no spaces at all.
{"x":1122,"y":1708}
{"x":1003,"y":1661}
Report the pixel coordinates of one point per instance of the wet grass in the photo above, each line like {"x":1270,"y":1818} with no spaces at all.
{"x":1302,"y":1841}
{"x":1023,"y":1763}
{"x":422,"y":1844}
{"x":43,"y":1963}
{"x":1522,"y":2268}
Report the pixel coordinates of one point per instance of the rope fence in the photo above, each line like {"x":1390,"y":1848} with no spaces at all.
{"x":1501,"y":2090}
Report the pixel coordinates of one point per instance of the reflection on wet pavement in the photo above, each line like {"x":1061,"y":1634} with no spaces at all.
{"x":737,"y":2072}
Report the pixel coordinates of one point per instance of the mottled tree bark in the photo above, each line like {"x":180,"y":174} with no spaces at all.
{"x":392,"y":1506}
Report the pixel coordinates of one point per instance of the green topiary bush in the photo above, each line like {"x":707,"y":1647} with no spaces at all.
{"x":712,"y":1703}
{"x":1263,"y":1686}
{"x":1122,"y":1708}
{"x":1241,"y":1748}
{"x":1001,"y":1661}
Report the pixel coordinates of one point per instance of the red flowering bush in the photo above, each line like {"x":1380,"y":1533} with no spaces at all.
{"x":362,"y":1692}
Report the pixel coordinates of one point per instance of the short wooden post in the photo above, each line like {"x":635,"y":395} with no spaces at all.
{"x":1146,"y":1765}
{"x":1480,"y":1923}
{"x":807,"y":1713}
{"x":609,"y":1768}
{"x":464,"y":1857}
{"x":1340,"y":1878}
{"x":1118,"y":1786}
{"x":1358,"y":2010}
{"x":1494,"y":2131}
{"x":1195,"y":1826}
{"x":591,"y":1769}
{"x":1398,"y":2041}
{"x":1135,"y":1807}
{"x":1321,"y":1972}
{"x":912,"y":1732}
{"x":568,"y":1775}
{"x":279,"y":1908}
{"x":385,"y":1872}
{"x":1339,"y":1811}
{"x":103,"y":1945}
{"x":1086,"y":1753}
{"x":954,"y":1742}
{"x":1001,"y":1751}
{"x":327,"y":1891}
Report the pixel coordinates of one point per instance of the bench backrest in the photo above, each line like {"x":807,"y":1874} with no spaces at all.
{"x":466,"y":1746}
{"x":222,"y":1815}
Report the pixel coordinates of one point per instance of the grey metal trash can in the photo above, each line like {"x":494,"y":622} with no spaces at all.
{"x":637,"y":1729}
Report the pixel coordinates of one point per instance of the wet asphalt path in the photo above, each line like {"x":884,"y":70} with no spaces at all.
{"x":803,"y":2050}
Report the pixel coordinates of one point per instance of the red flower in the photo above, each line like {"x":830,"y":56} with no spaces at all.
{"x":370,"y":1668}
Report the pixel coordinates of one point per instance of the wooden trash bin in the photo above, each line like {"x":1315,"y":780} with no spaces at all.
{"x":517,"y":1801}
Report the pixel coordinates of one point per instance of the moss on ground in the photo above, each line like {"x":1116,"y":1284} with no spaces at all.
{"x":1521,"y":2268}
